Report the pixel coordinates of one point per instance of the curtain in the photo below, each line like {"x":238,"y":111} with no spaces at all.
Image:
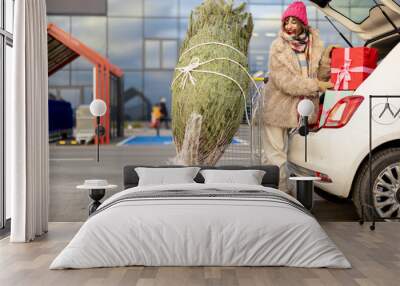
{"x":27,"y":156}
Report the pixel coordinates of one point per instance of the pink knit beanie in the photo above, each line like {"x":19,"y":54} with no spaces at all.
{"x":296,"y":9}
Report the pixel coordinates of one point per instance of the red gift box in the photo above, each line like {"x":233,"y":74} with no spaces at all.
{"x":351,"y":66}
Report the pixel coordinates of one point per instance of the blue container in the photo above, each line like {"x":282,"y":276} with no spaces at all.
{"x":60,"y":118}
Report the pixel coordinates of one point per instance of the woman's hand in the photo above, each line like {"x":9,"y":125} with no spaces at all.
{"x":324,"y":85}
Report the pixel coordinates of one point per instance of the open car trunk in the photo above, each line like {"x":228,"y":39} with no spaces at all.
{"x":368,"y":20}
{"x":378,"y":25}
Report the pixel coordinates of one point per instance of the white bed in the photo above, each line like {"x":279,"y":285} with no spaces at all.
{"x":268,"y":228}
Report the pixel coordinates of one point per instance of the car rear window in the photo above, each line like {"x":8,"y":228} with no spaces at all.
{"x":355,"y":10}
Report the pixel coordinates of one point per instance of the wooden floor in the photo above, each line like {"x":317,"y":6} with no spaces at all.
{"x":375,"y":257}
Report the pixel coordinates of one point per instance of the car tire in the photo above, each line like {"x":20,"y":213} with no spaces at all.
{"x":363,"y":196}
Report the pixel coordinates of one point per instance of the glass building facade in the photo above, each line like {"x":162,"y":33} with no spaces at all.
{"x":143,"y":38}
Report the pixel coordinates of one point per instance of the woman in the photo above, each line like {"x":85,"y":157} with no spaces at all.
{"x":164,"y":112}
{"x":299,"y":68}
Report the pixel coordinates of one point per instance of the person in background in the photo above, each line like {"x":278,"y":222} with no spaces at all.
{"x":155,"y":118}
{"x":164,"y":112}
{"x":299,"y":67}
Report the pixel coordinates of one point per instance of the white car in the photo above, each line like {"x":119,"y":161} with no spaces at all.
{"x":338,"y":152}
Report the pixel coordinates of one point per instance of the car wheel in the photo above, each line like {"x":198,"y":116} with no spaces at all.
{"x":384,"y":198}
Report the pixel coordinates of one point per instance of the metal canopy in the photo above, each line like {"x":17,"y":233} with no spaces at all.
{"x":59,"y":55}
{"x":61,"y":43}
{"x":63,"y":48}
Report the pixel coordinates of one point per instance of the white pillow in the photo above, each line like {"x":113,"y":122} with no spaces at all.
{"x":248,"y":177}
{"x":163,"y":176}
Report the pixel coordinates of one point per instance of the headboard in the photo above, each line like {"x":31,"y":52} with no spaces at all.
{"x":270,"y":179}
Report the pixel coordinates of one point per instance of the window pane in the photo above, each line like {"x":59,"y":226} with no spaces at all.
{"x":169,"y":54}
{"x":72,"y":95}
{"x":355,"y":10}
{"x":61,"y":77}
{"x":135,"y":107}
{"x":9,"y":12}
{"x":152,"y":50}
{"x":157,"y":85}
{"x":258,"y":61}
{"x":61,"y":22}
{"x":330,"y":36}
{"x":133,"y":80}
{"x":187,"y":6}
{"x":165,"y":8}
{"x":356,"y":40}
{"x":81,"y":77}
{"x":266,"y":11}
{"x":183,"y":25}
{"x":92,"y":32}
{"x":125,"y":7}
{"x":266,"y":1}
{"x":125,"y":42}
{"x":81,"y":63}
{"x":161,"y":28}
{"x":312,"y":12}
{"x":320,"y":15}
{"x":87,"y":95}
{"x":265,"y":31}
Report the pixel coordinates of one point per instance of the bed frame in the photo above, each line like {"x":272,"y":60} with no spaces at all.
{"x":270,"y":179}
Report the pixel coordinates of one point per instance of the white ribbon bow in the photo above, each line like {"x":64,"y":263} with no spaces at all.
{"x":344,"y":75}
{"x":187,"y":72}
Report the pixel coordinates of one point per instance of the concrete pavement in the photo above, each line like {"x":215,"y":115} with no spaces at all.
{"x":71,"y":165}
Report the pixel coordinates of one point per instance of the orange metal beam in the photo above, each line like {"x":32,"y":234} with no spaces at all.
{"x":81,"y":49}
{"x":96,"y":93}
{"x":102,"y":96}
{"x":107,"y":97}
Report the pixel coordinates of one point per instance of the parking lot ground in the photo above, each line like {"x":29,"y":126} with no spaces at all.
{"x":71,"y":165}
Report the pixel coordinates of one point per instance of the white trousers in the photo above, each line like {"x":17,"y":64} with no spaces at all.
{"x":275,"y":146}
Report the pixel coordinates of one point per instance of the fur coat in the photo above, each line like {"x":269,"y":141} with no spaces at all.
{"x":286,"y":85}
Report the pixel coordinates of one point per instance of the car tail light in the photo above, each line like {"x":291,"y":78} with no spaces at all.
{"x":341,"y":113}
{"x":324,"y":178}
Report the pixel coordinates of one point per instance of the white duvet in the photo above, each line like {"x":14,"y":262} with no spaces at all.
{"x":200,"y":231}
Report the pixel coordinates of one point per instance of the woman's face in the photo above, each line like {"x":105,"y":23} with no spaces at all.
{"x":292,"y":26}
